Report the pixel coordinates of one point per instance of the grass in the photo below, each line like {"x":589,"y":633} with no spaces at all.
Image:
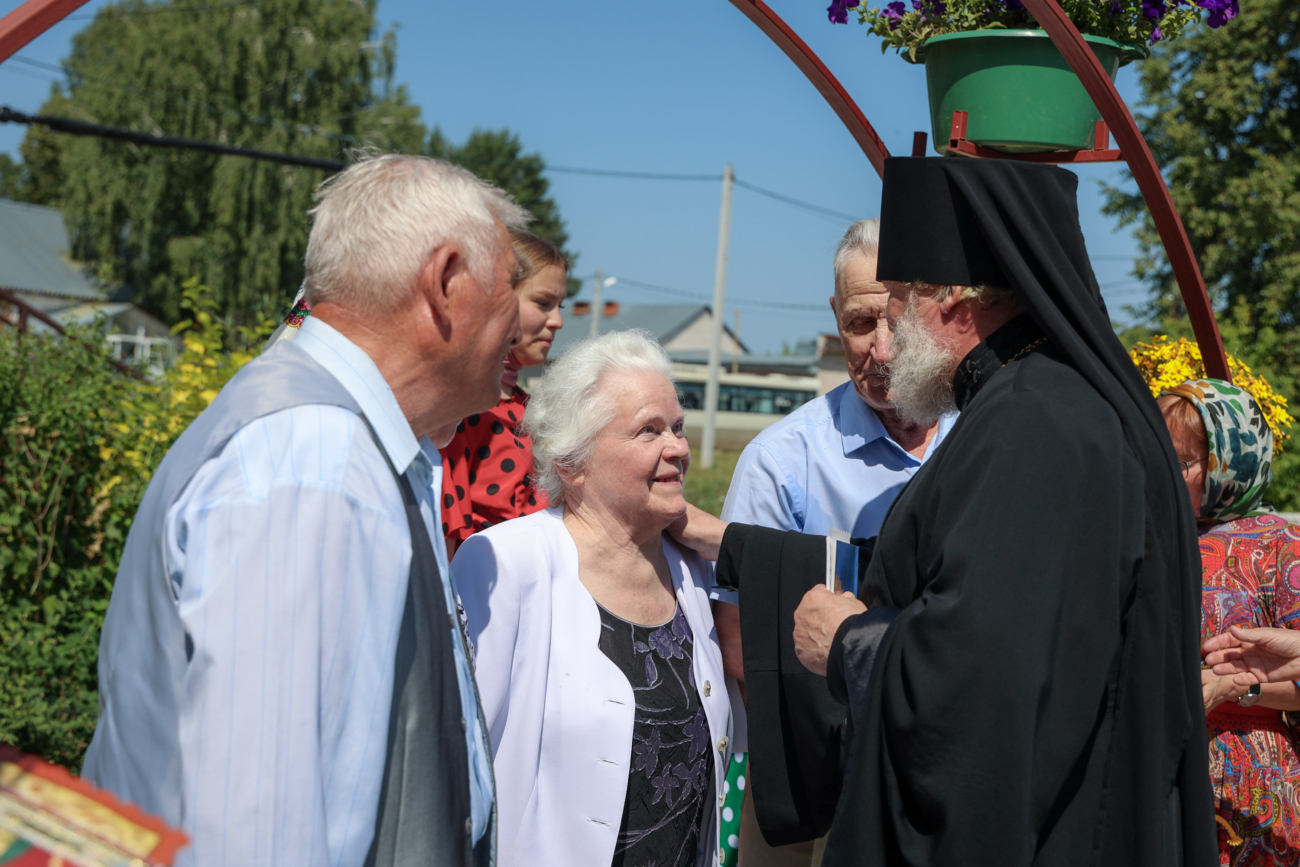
{"x":708,"y":488}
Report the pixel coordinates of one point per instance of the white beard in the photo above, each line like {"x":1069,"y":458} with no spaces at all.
{"x":920,"y":382}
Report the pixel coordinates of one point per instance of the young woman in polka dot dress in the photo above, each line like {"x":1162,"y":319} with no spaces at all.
{"x":487,"y":464}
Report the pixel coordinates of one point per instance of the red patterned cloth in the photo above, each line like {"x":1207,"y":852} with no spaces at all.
{"x":486,"y":467}
{"x":1251,"y":577}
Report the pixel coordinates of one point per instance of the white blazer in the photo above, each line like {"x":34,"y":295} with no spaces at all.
{"x":559,"y":712}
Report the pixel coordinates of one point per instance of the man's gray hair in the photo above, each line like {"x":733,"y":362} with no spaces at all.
{"x":376,"y":223}
{"x":574,"y":401}
{"x":862,"y":239}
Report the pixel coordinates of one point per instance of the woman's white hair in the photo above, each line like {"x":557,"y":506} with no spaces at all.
{"x":862,"y":239}
{"x":574,"y":401}
{"x":376,"y":223}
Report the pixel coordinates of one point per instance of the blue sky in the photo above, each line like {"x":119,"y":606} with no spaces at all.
{"x":683,"y":86}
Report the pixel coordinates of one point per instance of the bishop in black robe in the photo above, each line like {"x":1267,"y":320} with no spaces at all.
{"x":1023,"y":689}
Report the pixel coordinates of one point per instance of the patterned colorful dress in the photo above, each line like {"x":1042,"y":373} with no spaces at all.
{"x":487,"y":468}
{"x":1251,"y":569}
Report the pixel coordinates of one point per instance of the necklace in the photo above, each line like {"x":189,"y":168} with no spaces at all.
{"x":1028,"y":349}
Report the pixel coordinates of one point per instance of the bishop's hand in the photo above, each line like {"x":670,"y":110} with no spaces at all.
{"x":816,"y":621}
{"x":1260,"y":655}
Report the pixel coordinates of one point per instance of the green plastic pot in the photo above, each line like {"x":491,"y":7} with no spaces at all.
{"x":1018,"y":91}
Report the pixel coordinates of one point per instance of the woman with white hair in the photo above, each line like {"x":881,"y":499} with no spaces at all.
{"x":598,"y":664}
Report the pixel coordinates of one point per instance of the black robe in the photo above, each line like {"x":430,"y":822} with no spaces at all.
{"x":1036,"y":701}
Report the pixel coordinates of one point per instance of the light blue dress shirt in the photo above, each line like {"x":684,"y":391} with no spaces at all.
{"x":829,"y":464}
{"x":290,"y":553}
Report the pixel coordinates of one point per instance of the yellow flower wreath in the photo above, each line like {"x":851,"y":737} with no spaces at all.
{"x":1164,"y":364}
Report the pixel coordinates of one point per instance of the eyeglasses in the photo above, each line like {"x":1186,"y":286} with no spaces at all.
{"x":1187,"y":465}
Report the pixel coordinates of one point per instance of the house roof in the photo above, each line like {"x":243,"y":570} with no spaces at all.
{"x":34,"y":253}
{"x":663,"y":321}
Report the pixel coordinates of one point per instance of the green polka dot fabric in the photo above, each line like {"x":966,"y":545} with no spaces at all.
{"x":733,"y":792}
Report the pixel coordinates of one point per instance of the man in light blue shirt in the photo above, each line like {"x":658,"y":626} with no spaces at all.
{"x":261,"y":653}
{"x":837,"y":462}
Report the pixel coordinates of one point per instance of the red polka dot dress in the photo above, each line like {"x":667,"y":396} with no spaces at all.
{"x":486,"y":471}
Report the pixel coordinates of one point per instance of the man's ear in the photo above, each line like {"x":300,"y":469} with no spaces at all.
{"x":833,"y":310}
{"x":949,"y":304}
{"x":445,"y":265}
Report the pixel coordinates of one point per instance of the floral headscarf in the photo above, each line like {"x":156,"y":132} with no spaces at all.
{"x":1241,"y":449}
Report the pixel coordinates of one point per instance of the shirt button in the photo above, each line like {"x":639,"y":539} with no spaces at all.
{"x":722,"y":744}
{"x":451,"y":620}
{"x":464,"y":726}
{"x":469,"y":826}
{"x":722,"y":799}
{"x":708,"y":688}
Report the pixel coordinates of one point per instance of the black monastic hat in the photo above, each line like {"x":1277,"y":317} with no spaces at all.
{"x":930,"y":232}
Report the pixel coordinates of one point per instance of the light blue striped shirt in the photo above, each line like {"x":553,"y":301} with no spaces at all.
{"x":829,"y":464}
{"x":290,"y":553}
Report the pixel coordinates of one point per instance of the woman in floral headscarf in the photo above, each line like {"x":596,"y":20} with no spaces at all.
{"x":1250,"y":562}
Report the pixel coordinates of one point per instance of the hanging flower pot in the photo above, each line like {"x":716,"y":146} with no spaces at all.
{"x":1019,"y":93}
{"x":989,"y":59}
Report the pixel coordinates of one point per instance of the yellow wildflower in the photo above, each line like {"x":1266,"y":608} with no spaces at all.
{"x":1164,"y":364}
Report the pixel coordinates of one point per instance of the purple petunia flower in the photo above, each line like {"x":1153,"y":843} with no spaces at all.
{"x":1221,"y":11}
{"x":894,"y":14}
{"x":1115,"y":8}
{"x":838,"y":11}
{"x":1154,"y":10}
{"x":1015,"y":6}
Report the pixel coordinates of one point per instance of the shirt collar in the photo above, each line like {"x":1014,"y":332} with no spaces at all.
{"x":859,"y":425}
{"x":357,"y":373}
{"x":1008,"y":343}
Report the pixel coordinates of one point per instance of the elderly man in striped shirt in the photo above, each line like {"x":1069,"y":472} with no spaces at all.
{"x":282,"y":669}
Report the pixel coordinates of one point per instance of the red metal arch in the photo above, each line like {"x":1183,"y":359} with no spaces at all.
{"x":36,"y":16}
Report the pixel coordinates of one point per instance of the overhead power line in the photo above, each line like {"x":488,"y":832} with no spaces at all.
{"x":807,"y":206}
{"x":304,"y":129}
{"x":78,"y":127}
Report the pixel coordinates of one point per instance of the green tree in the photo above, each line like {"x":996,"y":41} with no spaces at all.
{"x":11,"y":174}
{"x":305,"y":77}
{"x":41,"y":179}
{"x":1223,"y":112}
{"x":498,"y":158}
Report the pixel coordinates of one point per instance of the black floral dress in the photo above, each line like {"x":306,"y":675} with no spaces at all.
{"x":670,"y":787}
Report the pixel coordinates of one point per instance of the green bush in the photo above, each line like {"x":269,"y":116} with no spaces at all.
{"x":78,"y":443}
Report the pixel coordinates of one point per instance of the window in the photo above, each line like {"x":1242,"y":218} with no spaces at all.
{"x":745,"y":398}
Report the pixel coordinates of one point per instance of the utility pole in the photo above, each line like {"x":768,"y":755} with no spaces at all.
{"x":595,"y":302}
{"x":719,"y":305}
{"x":735,"y":341}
